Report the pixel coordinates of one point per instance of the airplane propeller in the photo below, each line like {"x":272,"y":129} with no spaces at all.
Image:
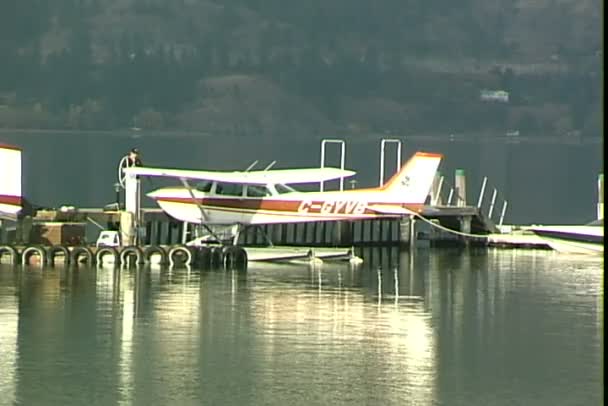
{"x":123,"y":164}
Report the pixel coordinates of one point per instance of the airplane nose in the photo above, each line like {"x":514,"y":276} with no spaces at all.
{"x":155,"y":193}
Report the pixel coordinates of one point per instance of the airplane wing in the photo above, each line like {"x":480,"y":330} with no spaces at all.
{"x":282,"y":176}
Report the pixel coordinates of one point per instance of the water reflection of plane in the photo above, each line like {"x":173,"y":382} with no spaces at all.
{"x":333,"y":311}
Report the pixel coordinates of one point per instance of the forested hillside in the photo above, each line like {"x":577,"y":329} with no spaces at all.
{"x":302,"y":68}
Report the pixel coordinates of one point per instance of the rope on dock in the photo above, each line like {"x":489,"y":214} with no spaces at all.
{"x":449,"y":230}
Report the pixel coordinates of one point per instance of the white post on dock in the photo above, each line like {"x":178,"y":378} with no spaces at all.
{"x":600,"y":196}
{"x":436,"y":190}
{"x":481,"y":193}
{"x":502,"y":214}
{"x":185,"y":232}
{"x":492,"y":204}
{"x":132,"y":203}
{"x":460,"y":186}
{"x":127,"y":228}
{"x":450,"y":196}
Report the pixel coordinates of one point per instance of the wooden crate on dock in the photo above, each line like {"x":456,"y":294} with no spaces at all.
{"x":71,"y":215}
{"x":58,"y":233}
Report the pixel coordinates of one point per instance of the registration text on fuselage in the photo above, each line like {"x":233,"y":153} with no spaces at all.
{"x":333,"y":206}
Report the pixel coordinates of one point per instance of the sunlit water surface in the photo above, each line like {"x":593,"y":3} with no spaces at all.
{"x":439,"y":327}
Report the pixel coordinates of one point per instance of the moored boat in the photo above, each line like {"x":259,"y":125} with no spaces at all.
{"x":573,"y":239}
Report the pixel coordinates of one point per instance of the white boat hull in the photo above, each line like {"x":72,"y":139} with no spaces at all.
{"x":572,"y":239}
{"x":572,"y":247}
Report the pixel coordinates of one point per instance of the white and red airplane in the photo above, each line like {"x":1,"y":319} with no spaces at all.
{"x":264,"y":197}
{"x":11,"y":200}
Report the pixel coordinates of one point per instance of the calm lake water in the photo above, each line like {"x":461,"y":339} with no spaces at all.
{"x":436,"y":327}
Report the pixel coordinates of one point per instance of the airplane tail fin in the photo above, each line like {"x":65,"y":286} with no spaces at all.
{"x":11,"y":199}
{"x":413,"y":182}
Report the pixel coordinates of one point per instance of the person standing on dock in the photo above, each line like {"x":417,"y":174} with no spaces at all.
{"x":134,"y":158}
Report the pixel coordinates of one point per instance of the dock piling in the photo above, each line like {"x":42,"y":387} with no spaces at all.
{"x":465,"y":227}
{"x":343,"y":233}
{"x":600,"y":196}
{"x":407,"y":231}
{"x":460,"y":188}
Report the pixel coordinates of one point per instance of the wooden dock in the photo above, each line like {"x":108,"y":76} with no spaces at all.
{"x":450,"y":225}
{"x":159,"y":229}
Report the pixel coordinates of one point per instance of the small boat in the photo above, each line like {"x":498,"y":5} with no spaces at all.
{"x":573,"y":239}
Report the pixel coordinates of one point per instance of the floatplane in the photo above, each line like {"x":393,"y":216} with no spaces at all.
{"x":253,"y":198}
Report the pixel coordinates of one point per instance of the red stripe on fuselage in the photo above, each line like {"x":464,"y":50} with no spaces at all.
{"x":290,"y":207}
{"x":15,"y":200}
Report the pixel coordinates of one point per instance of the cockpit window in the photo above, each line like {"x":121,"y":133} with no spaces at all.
{"x":257,"y":191}
{"x":283,"y":189}
{"x":204,"y":186}
{"x":229,"y":189}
